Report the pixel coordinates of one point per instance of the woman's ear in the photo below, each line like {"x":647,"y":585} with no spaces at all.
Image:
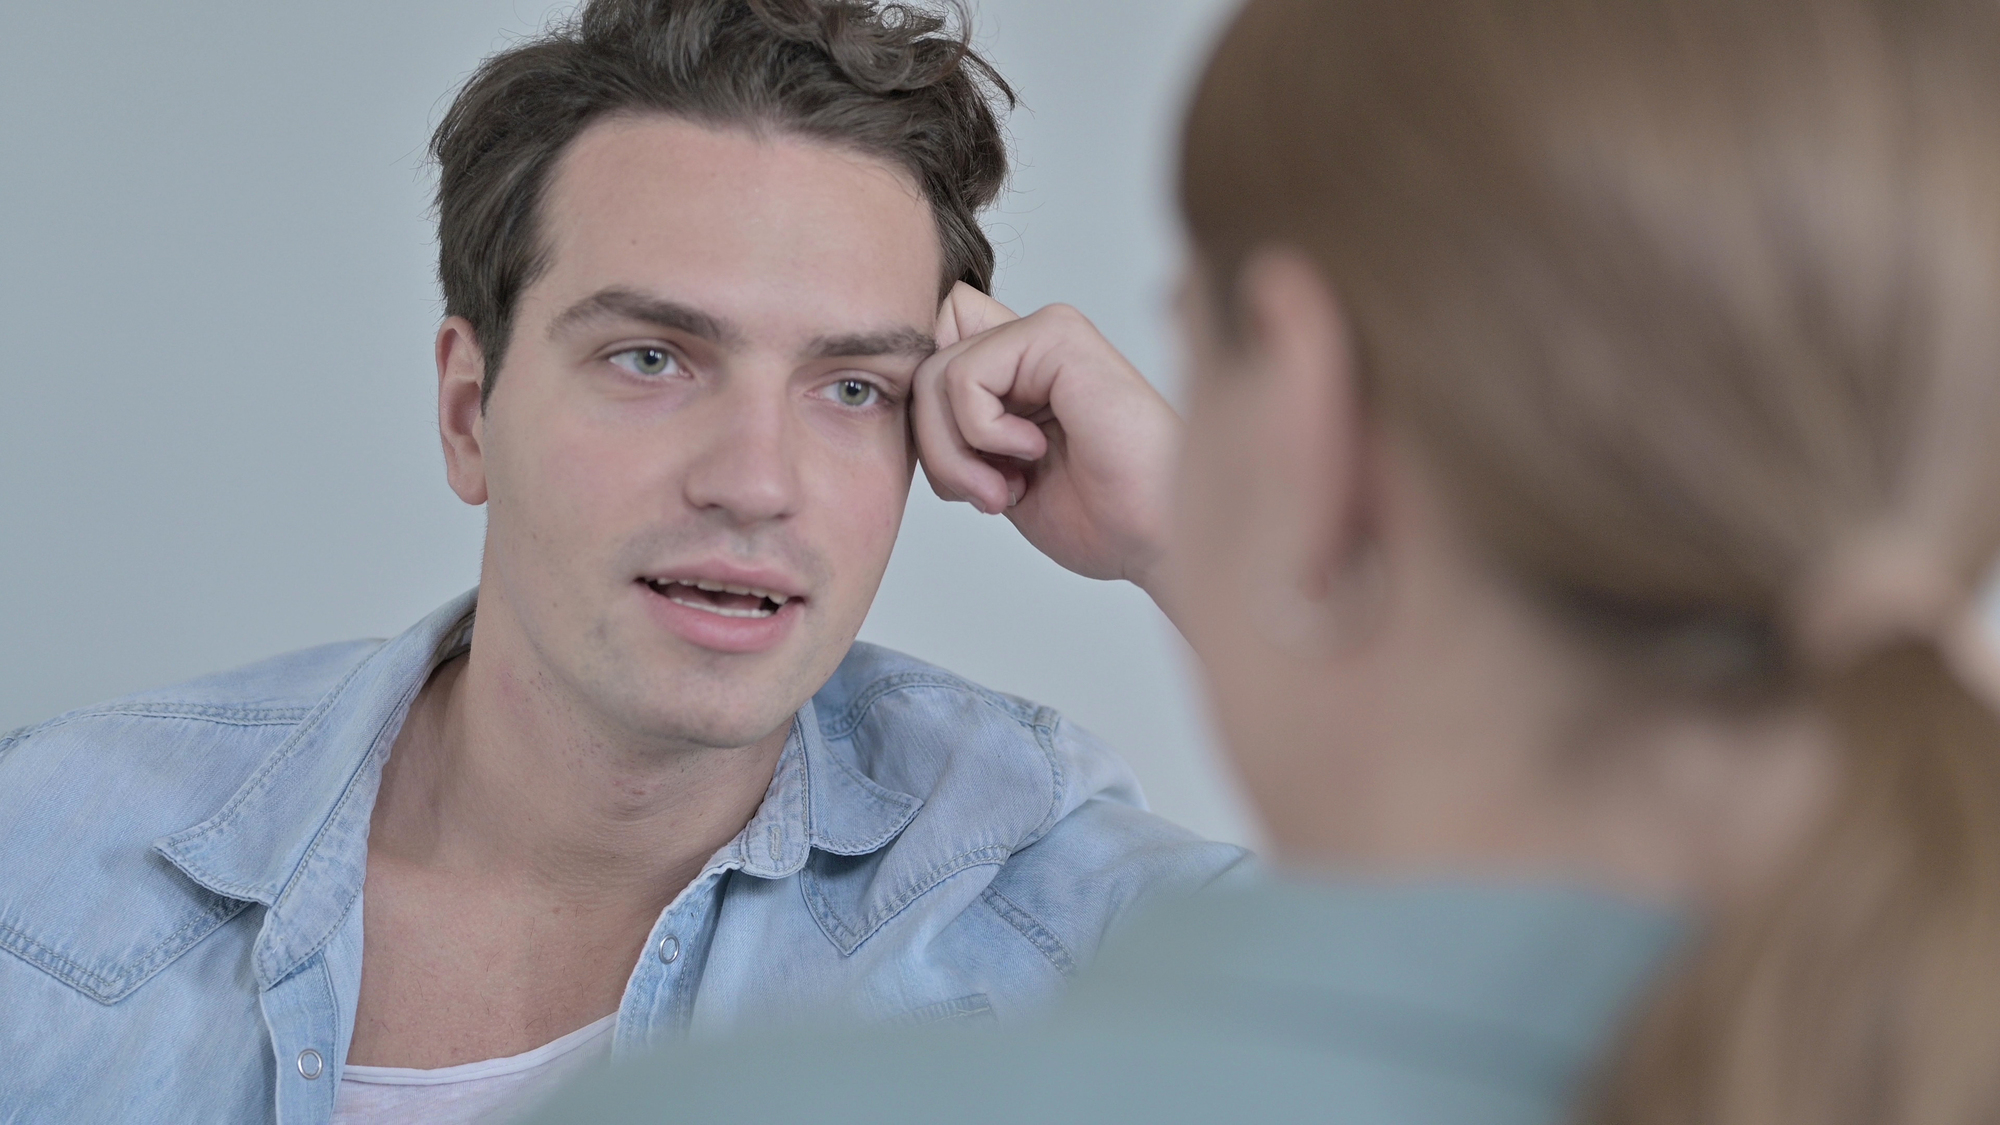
{"x":1311,"y":425}
{"x":461,"y":370}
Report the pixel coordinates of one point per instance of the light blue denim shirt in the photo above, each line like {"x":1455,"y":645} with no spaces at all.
{"x":1359,"y":1003}
{"x":181,"y":876}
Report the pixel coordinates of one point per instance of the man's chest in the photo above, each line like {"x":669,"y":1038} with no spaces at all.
{"x":454,"y":972}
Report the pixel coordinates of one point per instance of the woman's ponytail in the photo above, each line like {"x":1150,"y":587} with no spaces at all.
{"x":1866,"y":988}
{"x":1683,"y":302}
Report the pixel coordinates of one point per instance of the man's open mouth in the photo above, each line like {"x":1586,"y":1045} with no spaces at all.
{"x":718,"y":598}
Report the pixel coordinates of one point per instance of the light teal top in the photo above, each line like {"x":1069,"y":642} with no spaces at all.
{"x":1276,"y":1002}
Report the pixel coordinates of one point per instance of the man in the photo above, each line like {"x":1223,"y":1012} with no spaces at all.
{"x":642,"y":783}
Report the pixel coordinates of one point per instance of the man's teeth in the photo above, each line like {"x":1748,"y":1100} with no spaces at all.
{"x":723,"y":611}
{"x":720,"y":588}
{"x":771,"y":601}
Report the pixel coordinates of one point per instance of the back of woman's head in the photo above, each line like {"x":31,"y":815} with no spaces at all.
{"x":1696,"y":303}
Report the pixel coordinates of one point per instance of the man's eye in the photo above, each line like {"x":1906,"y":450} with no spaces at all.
{"x":646,"y":361}
{"x":854,"y":392}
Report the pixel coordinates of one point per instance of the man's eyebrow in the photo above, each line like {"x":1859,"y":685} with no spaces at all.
{"x":894,"y":341}
{"x":629,"y":304}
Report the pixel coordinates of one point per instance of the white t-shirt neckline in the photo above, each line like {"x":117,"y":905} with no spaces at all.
{"x":484,"y":1092}
{"x":484,"y":1068}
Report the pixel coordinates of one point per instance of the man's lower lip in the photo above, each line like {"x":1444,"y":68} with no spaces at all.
{"x":718,"y":633}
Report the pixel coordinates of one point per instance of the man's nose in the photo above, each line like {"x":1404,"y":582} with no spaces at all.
{"x":747,"y":465}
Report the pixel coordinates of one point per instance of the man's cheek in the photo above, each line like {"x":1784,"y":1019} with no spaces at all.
{"x":885,"y":520}
{"x":861,"y":512}
{"x":887,"y":495}
{"x":590,"y":477}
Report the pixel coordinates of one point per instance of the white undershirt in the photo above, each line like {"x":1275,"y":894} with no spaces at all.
{"x":492,"y":1090}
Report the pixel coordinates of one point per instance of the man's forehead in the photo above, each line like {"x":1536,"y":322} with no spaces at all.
{"x":760,"y":230}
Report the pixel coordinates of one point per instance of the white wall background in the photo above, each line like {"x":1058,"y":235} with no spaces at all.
{"x":216,"y":425}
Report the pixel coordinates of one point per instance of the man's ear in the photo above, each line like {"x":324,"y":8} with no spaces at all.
{"x":1312,"y":419}
{"x":461,"y":416}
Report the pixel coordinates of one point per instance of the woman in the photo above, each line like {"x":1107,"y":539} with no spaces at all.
{"x":1594,"y":451}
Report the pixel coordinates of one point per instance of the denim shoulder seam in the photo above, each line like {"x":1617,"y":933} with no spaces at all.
{"x":1046,"y":722}
{"x":857,"y":710}
{"x":228,"y":712}
{"x":201,"y":713}
{"x":255,"y":783}
{"x":1029,"y":927}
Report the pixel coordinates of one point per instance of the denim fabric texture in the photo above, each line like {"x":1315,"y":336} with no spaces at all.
{"x":1287,"y":1000}
{"x":181,"y":875}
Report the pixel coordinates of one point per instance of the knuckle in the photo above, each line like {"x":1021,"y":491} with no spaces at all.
{"x":1065,"y":314}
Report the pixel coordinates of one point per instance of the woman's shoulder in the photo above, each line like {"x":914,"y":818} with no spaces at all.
{"x":1268,"y":1000}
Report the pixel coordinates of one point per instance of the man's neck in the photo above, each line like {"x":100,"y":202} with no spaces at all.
{"x":518,"y":858}
{"x":496,"y":779}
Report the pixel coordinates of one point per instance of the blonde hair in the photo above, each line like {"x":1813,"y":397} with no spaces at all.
{"x":1697,"y":305}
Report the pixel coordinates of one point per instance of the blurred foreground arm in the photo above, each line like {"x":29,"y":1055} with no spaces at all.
{"x":1040,"y":418}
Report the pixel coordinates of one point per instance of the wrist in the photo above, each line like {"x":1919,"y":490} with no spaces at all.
{"x":1150,"y":575}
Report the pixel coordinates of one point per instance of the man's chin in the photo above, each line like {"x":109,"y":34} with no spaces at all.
{"x":668,"y":691}
{"x":708,"y":720}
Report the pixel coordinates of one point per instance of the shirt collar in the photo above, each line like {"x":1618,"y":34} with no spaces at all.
{"x":294,"y":837}
{"x":818,"y":799}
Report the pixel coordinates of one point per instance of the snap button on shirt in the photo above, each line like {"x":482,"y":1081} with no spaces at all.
{"x":311,"y":1066}
{"x":670,"y":949}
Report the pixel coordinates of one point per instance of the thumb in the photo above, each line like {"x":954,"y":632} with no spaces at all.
{"x":967,"y":312}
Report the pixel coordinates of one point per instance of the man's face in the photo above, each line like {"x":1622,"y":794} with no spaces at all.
{"x":695,"y":459}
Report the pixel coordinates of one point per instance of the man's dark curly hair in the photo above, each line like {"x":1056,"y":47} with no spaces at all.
{"x":895,"y":81}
